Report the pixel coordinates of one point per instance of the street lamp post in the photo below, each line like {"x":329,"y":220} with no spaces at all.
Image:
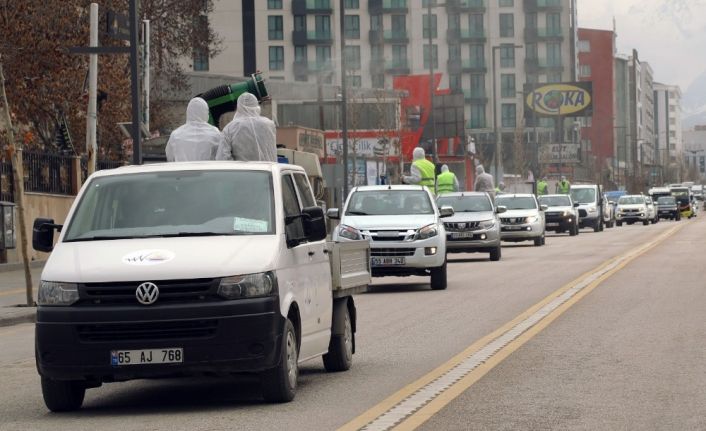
{"x":498,"y":140}
{"x":344,"y":107}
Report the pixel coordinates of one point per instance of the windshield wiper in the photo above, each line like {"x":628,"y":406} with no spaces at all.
{"x":100,"y":238}
{"x":162,"y":235}
{"x":362,"y":213}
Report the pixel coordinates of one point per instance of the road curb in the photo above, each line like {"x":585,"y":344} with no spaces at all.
{"x":10,"y":316}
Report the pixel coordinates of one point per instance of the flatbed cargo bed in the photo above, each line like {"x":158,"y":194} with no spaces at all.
{"x":350,"y":267}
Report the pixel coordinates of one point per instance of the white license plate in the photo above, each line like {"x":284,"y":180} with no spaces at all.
{"x":462,"y":235}
{"x":172,"y":355}
{"x":552,"y":224}
{"x":512,"y":227}
{"x":387,"y":261}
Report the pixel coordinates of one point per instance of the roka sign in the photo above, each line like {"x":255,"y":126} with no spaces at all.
{"x":571,"y":99}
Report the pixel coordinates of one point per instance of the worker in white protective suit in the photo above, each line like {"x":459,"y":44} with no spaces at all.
{"x":249,"y":136}
{"x":422,"y":171}
{"x":195,"y":140}
{"x":484,"y":182}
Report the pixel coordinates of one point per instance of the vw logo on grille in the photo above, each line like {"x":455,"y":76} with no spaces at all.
{"x":147,"y":293}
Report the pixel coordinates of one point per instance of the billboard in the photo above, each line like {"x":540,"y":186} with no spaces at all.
{"x":570,"y":99}
{"x":559,"y":153}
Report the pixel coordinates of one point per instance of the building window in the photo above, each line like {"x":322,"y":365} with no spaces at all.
{"x":477,"y":85}
{"x":300,"y":53}
{"x":300,"y":22}
{"x":352,"y":26}
{"x":507,"y":85}
{"x":554,"y":24}
{"x":584,"y":46}
{"x":399,"y":55}
{"x":378,"y":81}
{"x":454,"y":52}
{"x":507,"y":25}
{"x":201,"y":60}
{"x":531,"y":20}
{"x":477,"y":116}
{"x":354,"y":81}
{"x":352,"y":57}
{"x":672,"y":134}
{"x":509,"y":115}
{"x":455,"y":82}
{"x":399,"y":24}
{"x":434,"y":55}
{"x":553,"y":54}
{"x":454,"y":22}
{"x":475,"y":24}
{"x":323,"y":57}
{"x":507,"y":56}
{"x":554,"y":77}
{"x":274,"y":4}
{"x":377,"y":53}
{"x":672,"y":121}
{"x":323,"y":26}
{"x":531,"y":51}
{"x":585,"y":71}
{"x":351,"y":4}
{"x":477,"y":55}
{"x":375,"y":22}
{"x":276,"y":58}
{"x":426,"y":26}
{"x":274,"y":27}
{"x":506,"y":3}
{"x":532,"y":78}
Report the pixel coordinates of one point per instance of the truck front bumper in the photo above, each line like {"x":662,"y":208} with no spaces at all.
{"x":75,"y":343}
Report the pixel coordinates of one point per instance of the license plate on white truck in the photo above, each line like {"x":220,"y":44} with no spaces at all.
{"x":174,"y":355}
{"x":387,"y":261}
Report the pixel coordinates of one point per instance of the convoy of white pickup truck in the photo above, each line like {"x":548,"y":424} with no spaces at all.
{"x":219,"y":268}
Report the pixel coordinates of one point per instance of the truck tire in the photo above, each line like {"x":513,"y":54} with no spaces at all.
{"x":645,"y":222}
{"x":574,"y":230}
{"x":340,"y":348}
{"x":598,"y":226}
{"x":279,"y":384}
{"x":63,"y":396}
{"x":495,"y":254}
{"x":539,"y":241}
{"x":618,"y":223}
{"x":438,"y":277}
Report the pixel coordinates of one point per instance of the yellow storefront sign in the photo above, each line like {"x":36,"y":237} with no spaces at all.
{"x":559,"y":99}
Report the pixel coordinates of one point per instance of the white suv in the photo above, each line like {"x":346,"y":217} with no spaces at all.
{"x":404,"y":227}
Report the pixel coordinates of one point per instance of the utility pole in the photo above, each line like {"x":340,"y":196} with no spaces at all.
{"x":344,"y":101}
{"x":432,"y":120}
{"x":135,"y":78}
{"x":92,"y":117}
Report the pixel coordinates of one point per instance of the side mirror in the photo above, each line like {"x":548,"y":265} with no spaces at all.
{"x":543,"y":207}
{"x":43,"y":234}
{"x":500,"y":209}
{"x":446,"y":211}
{"x":576,"y":204}
{"x":333,"y":214}
{"x":314,"y":223}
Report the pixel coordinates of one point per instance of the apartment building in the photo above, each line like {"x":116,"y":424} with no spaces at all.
{"x":668,"y":125}
{"x":641,"y":137}
{"x":299,"y":41}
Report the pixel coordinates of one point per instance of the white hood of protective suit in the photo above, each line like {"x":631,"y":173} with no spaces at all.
{"x":249,"y":137}
{"x":196,"y":140}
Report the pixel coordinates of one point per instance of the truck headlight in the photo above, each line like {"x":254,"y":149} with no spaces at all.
{"x":532,"y":219}
{"x":247,"y":286}
{"x":348,"y":232}
{"x":567,"y":213}
{"x":487,"y":224}
{"x":56,"y":293}
{"x":427,"y":232}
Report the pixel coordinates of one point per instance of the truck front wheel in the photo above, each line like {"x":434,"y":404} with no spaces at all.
{"x":279,"y":384}
{"x":438,"y":277}
{"x":340,"y":348}
{"x":63,"y":396}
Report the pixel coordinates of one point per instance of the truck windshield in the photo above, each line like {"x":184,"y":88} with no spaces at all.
{"x":389,"y":202}
{"x":516,"y":202}
{"x":555,"y":201}
{"x":583,"y":196}
{"x":466,"y":204}
{"x":171,"y":204}
{"x":666,"y":200}
{"x":631,"y":200}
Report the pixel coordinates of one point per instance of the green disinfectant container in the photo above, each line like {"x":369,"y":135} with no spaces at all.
{"x":224,"y":98}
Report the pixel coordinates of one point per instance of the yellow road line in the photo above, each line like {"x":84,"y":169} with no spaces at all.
{"x":452,"y":392}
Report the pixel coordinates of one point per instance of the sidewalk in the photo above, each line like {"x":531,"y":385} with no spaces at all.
{"x":13,"y":309}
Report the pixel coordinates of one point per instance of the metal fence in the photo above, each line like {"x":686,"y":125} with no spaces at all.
{"x":6,"y":193}
{"x":47,"y":173}
{"x":100,"y":165}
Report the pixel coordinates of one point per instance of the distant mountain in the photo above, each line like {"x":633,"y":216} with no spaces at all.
{"x":694,"y":103}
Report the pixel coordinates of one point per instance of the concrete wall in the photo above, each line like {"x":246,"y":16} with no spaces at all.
{"x":45,"y":206}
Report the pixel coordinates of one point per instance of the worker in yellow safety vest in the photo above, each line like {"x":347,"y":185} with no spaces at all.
{"x":563,"y":186}
{"x":446,"y":181}
{"x":542,"y":187}
{"x":422,"y":171}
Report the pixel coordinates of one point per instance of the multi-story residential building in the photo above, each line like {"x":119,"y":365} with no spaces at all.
{"x":596,"y":64}
{"x":299,"y":40}
{"x":641,"y":137}
{"x":668,"y":127}
{"x":622,"y":164}
{"x":694,"y":154}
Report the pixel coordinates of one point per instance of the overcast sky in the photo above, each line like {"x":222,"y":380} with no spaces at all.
{"x":669,"y":34}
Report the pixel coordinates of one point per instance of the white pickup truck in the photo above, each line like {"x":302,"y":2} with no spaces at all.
{"x":202,"y":268}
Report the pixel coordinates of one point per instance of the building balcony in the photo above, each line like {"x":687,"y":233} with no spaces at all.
{"x":376,"y":37}
{"x":476,"y":97}
{"x":300,"y":68}
{"x":537,"y":34}
{"x":302,"y":37}
{"x":542,"y":6}
{"x":379,"y":7}
{"x":322,"y":67}
{"x":457,"y":35}
{"x":303,"y":7}
{"x":534,"y":65}
{"x":397,"y":67}
{"x":473,"y":6}
{"x":396,"y":36}
{"x":456,"y":66}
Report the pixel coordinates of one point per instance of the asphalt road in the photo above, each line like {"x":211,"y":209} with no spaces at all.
{"x":630,"y":355}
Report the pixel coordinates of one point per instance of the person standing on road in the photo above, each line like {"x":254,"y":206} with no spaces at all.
{"x":542,"y":187}
{"x":563,"y":186}
{"x":422,"y":170}
{"x":446,"y":181}
{"x":196,"y":139}
{"x":484,"y":182}
{"x":249,"y":137}
{"x":500,"y":189}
